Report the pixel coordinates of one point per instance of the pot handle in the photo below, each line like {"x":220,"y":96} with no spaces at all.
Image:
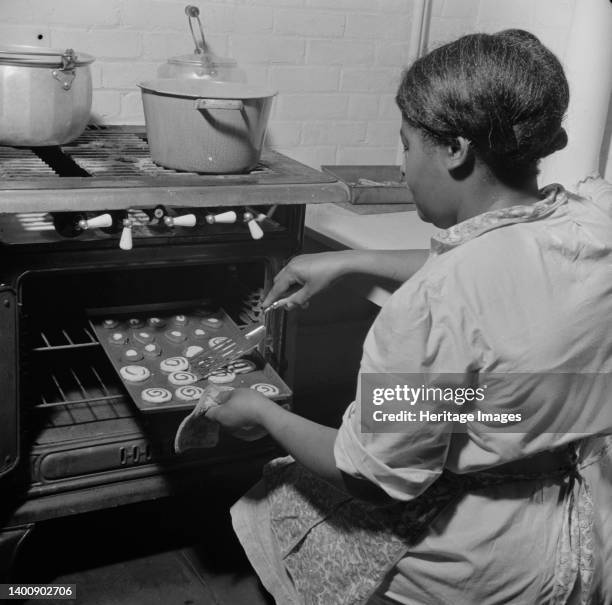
{"x":219,"y":104}
{"x":66,"y":73}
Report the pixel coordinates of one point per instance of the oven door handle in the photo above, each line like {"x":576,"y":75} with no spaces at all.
{"x":9,"y":380}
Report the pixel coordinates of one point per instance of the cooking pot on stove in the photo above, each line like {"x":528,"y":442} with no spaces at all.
{"x":205,"y":126}
{"x":45,"y":95}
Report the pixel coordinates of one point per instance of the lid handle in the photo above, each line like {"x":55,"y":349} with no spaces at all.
{"x":193,"y":12}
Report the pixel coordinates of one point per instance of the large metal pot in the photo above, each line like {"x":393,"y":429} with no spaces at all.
{"x":45,"y":95}
{"x":205,"y":126}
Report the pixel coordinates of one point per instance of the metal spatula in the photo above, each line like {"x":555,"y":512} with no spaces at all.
{"x":221,"y":354}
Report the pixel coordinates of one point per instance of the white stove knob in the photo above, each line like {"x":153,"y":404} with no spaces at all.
{"x":97,"y":222}
{"x":125,"y":243}
{"x":225,"y":217}
{"x":255,"y":229}
{"x":185,"y":220}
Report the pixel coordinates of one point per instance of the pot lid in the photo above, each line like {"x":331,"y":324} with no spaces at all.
{"x":205,"y":59}
{"x":43,"y":57}
{"x":205,"y":89}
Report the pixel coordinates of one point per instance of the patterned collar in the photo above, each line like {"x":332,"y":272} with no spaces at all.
{"x":447,"y":239}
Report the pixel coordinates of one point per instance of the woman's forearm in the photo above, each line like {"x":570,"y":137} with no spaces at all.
{"x":309,"y":443}
{"x":312,"y":445}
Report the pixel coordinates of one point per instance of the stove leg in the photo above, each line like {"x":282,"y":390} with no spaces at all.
{"x":10,"y":541}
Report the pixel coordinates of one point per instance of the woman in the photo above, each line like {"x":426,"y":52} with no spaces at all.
{"x":514,"y":295}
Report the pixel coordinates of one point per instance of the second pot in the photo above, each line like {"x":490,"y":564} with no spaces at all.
{"x":204,"y":126}
{"x":45,"y":95}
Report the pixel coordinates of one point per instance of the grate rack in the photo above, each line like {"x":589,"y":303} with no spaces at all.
{"x":110,"y":168}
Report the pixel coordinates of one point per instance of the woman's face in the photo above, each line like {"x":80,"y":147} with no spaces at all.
{"x":427,"y":176}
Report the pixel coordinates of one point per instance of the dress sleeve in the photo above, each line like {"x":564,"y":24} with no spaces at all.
{"x":421,"y":331}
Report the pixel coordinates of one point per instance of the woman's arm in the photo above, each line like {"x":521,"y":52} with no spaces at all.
{"x":314,"y":272}
{"x":311,"y":444}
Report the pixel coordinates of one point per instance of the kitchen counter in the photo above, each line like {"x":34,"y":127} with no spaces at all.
{"x":340,"y":227}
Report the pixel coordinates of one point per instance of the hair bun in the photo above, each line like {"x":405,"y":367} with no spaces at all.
{"x":560,"y":140}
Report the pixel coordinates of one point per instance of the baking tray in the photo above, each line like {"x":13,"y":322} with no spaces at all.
{"x":192,"y":321}
{"x":372,"y":184}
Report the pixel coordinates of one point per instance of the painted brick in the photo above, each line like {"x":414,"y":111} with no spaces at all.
{"x":334,"y":133}
{"x":106,"y":105}
{"x":274,"y":3}
{"x":284,"y":134}
{"x":314,"y":157}
{"x":312,"y":107}
{"x":267,"y":49}
{"x":96,"y":74}
{"x":131,"y":108}
{"x":304,"y":79}
{"x":161,"y":46}
{"x":309,"y":23}
{"x":150,"y":16}
{"x":395,"y":54}
{"x":370,"y":80}
{"x":396,"y":6}
{"x":388,"y":109}
{"x":443,"y":30}
{"x":100,"y":43}
{"x":436,"y":7}
{"x":79,"y":12}
{"x":378,"y":26}
{"x":256,"y":74}
{"x":367,"y":155}
{"x":68,"y":12}
{"x":382,"y":134}
{"x":25,"y":34}
{"x":127,"y":75}
{"x":463,"y":9}
{"x":511,"y":14}
{"x":363,"y":107}
{"x":342,"y":5}
{"x":340,"y":52}
{"x":554,"y":13}
{"x":237,"y":19}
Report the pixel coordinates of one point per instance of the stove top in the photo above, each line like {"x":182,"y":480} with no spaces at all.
{"x":110,"y":167}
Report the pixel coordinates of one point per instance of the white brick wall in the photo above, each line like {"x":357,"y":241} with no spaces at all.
{"x":335,"y":63}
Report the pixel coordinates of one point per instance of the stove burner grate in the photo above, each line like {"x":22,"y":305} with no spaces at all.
{"x":101,"y":151}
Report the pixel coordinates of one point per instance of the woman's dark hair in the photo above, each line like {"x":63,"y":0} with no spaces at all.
{"x":506,"y":93}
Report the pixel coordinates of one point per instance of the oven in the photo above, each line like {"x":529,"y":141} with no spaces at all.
{"x":71,"y":439}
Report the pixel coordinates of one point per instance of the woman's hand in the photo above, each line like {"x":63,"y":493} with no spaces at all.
{"x":313,"y":272}
{"x":239,"y":412}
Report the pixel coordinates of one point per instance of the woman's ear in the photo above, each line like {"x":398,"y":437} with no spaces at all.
{"x":458,"y":152}
{"x":459,"y":157}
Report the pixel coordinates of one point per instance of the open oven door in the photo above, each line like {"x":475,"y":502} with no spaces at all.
{"x":9,"y":400}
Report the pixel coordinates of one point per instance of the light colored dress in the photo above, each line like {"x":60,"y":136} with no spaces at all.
{"x":521,"y":290}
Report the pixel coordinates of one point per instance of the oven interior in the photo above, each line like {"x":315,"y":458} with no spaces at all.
{"x":77,"y":417}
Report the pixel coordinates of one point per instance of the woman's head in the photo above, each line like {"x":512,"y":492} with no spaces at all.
{"x":506,"y":94}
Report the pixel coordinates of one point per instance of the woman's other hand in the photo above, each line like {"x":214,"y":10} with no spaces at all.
{"x":311,"y":273}
{"x":239,"y":413}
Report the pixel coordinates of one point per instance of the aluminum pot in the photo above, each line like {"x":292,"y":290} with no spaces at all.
{"x":45,"y":95}
{"x":205,"y":126}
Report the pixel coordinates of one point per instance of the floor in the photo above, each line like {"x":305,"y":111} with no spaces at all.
{"x":170,"y":552}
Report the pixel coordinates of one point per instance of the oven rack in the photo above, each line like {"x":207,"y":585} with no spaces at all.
{"x":68,"y":337}
{"x":87,"y":389}
{"x":80,"y":393}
